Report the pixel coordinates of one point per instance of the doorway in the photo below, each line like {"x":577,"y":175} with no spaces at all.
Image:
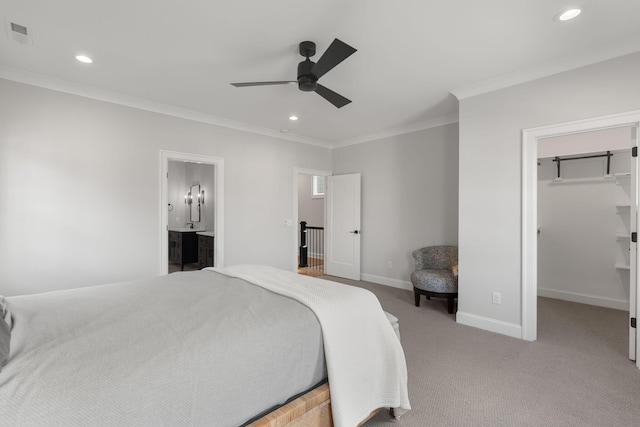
{"x":309,"y":206}
{"x":191,"y":207}
{"x":584,"y":217}
{"x":192,"y":198}
{"x":584,"y":228}
{"x":529,"y":208}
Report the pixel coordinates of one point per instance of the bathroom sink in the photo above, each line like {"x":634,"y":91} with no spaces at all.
{"x":185,"y":229}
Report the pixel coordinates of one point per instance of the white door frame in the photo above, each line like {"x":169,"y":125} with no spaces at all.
{"x":530,"y":203}
{"x":218,"y":162}
{"x":301,"y":171}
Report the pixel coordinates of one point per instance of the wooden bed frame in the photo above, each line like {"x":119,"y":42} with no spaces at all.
{"x":312,"y":409}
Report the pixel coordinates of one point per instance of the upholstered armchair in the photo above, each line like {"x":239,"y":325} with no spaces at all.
{"x":434,"y":275}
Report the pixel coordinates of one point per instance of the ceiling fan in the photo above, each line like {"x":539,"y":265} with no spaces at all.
{"x":309,"y":72}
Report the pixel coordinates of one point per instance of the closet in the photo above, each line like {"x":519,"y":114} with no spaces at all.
{"x":584,"y":199}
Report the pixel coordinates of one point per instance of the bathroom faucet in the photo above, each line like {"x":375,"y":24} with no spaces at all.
{"x":190,"y":224}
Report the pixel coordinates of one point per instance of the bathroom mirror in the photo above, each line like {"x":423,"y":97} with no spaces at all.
{"x":195,"y":203}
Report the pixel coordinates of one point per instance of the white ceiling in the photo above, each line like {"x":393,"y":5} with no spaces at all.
{"x":179,"y":57}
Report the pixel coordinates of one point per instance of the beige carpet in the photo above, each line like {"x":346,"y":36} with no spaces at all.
{"x":576,"y":374}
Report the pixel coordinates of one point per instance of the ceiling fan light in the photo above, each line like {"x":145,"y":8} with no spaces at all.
{"x":307,"y":83}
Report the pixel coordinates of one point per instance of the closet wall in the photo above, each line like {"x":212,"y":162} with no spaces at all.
{"x":583,"y":218}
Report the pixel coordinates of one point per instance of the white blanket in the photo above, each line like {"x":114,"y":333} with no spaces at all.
{"x":365,"y":361}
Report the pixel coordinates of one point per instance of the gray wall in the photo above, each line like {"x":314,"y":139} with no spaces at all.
{"x":80,"y":189}
{"x":179,"y":215}
{"x":409,"y":198}
{"x":491,"y":174}
{"x":310,"y":209}
{"x":182,"y":175}
{"x":204,"y":176}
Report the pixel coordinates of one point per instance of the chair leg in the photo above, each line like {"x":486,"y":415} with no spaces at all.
{"x":450,"y":305}
{"x":417,"y":298}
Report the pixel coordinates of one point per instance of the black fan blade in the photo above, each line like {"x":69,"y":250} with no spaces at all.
{"x":337,"y":52}
{"x":332,"y":97}
{"x":262,"y":83}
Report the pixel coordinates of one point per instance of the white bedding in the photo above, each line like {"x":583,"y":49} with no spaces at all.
{"x":365,"y":361}
{"x":157,"y":352}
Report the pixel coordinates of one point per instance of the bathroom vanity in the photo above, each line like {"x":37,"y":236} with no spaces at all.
{"x":183,"y":246}
{"x":205,"y":249}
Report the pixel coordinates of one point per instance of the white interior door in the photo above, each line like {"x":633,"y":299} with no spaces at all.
{"x":633,"y":248}
{"x":342,"y":257}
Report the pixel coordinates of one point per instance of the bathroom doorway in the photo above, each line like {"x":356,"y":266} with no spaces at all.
{"x":191,"y":221}
{"x":192,"y":233}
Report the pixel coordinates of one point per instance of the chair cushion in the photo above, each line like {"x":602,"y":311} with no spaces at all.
{"x":434,"y":280}
{"x":436,"y":257}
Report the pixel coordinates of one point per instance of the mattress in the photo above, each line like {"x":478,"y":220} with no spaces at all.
{"x":193,"y":348}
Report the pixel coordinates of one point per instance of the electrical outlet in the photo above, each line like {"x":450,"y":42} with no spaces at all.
{"x":496,"y":297}
{"x":389,"y":264}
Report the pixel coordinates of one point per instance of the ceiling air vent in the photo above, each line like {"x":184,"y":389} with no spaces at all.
{"x":19,"y":33}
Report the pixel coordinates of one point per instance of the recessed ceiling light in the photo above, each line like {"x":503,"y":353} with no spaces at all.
{"x":567,"y":15}
{"x":293,"y":118}
{"x":84,"y":58}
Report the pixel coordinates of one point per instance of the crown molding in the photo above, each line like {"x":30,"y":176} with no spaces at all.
{"x":59,"y":85}
{"x":387,"y":133}
{"x":558,"y":65}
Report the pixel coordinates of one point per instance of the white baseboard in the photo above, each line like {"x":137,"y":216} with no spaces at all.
{"x":617,"y":304}
{"x":492,"y":325}
{"x":394,"y":283}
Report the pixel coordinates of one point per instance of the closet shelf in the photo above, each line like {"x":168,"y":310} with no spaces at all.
{"x":558,"y":181}
{"x":623,"y":179}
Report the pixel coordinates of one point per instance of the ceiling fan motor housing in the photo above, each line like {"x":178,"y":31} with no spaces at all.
{"x":306,"y":80}
{"x":307,"y":49}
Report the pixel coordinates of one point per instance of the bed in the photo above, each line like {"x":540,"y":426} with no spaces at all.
{"x":220,"y":346}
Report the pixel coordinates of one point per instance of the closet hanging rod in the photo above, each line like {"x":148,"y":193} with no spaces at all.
{"x":607,"y":155}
